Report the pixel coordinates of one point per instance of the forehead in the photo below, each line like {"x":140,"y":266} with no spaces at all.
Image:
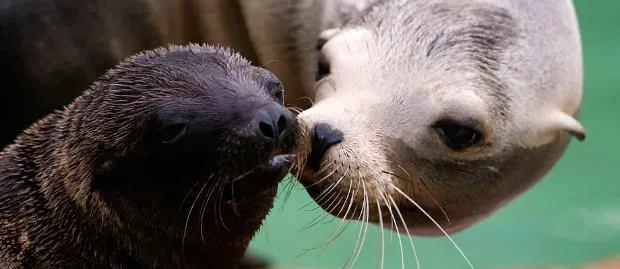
{"x":190,"y":74}
{"x":411,"y":45}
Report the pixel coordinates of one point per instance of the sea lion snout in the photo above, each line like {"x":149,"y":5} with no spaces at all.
{"x":273,"y":124}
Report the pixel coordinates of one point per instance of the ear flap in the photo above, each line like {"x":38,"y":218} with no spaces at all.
{"x":325,"y":36}
{"x":551,"y":124}
{"x":571,"y":125}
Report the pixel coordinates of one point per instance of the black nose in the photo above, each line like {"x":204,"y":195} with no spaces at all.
{"x":273,"y":123}
{"x":323,"y":137}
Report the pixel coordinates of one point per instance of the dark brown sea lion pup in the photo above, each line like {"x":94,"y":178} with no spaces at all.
{"x":170,"y":160}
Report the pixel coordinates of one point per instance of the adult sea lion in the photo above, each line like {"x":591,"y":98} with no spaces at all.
{"x":436,"y":113}
{"x":170,"y":160}
{"x":54,"y":49}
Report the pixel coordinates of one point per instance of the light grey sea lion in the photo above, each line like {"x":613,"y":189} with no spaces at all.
{"x":440,"y":112}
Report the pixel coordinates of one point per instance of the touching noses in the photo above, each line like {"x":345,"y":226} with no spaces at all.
{"x":323,"y":137}
{"x":273,"y":124}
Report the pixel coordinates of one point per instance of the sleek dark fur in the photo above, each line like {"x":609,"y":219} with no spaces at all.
{"x":157,"y":165}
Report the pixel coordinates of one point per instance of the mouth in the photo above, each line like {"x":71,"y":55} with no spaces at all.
{"x":279,"y":161}
{"x":261,"y":180}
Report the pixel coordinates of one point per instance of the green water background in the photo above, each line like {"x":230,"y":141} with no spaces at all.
{"x":572,"y":216}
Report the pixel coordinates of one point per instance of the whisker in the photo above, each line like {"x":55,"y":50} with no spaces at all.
{"x":359,"y":234}
{"x":335,"y":233}
{"x":382,"y":233}
{"x":319,"y":198}
{"x":400,"y":242}
{"x":204,"y":208}
{"x":328,"y":190}
{"x":343,"y":204}
{"x":326,"y":213}
{"x":232,"y":198}
{"x":295,"y":110}
{"x":265,"y":65}
{"x":219,"y":206}
{"x":206,"y":183}
{"x":288,"y":191}
{"x":326,"y":193}
{"x":366,"y":221}
{"x":325,"y":177}
{"x":323,"y":214}
{"x":314,"y":201}
{"x":410,"y":181}
{"x":242,"y":176}
{"x":309,"y":100}
{"x":190,"y":191}
{"x":436,"y":224}
{"x":415,"y":253}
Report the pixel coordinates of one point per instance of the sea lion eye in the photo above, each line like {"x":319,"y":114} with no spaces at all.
{"x":276,"y":89}
{"x":456,"y":136}
{"x":279,"y":95}
{"x":172,"y":133}
{"x":323,"y":67}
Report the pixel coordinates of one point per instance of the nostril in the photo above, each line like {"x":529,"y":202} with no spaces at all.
{"x":323,"y":137}
{"x":273,"y":124}
{"x":267,"y":129}
{"x":282,"y":122}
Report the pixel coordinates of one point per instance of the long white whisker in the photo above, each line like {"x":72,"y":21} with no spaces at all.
{"x":415,"y":253}
{"x":430,"y":194}
{"x":382,"y":234}
{"x":335,"y":233}
{"x":436,"y":224}
{"x":329,"y":208}
{"x":359,"y":234}
{"x":331,"y":188}
{"x":324,"y":178}
{"x":400,"y":242}
{"x":323,"y":214}
{"x":365,"y":222}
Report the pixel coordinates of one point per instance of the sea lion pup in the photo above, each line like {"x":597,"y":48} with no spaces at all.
{"x":170,"y":160}
{"x":441,"y":109}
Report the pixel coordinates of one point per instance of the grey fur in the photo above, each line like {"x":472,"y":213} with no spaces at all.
{"x":510,"y":69}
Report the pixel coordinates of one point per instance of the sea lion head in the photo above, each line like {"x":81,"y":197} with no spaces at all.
{"x":429,"y":110}
{"x":180,"y":143}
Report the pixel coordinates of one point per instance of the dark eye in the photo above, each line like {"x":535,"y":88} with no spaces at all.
{"x":172,"y":133}
{"x":274,"y":86}
{"x":279,"y":95}
{"x":323,"y":67}
{"x":456,"y":136}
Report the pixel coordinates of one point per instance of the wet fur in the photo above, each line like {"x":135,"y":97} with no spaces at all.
{"x":83,"y":187}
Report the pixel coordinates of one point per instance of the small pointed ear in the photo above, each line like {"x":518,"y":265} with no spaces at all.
{"x":550,"y":125}
{"x":570,"y":124}
{"x":325,"y":36}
